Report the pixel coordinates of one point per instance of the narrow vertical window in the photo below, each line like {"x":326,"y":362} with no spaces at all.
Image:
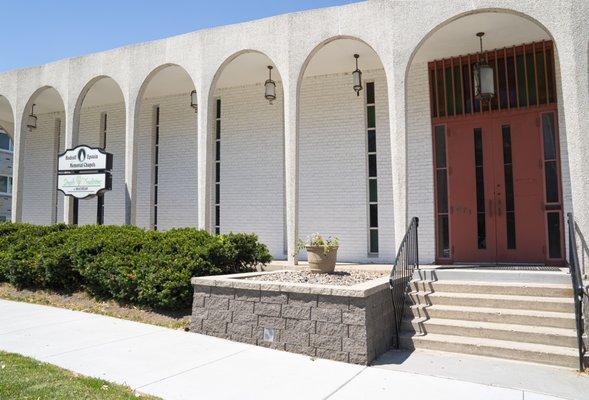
{"x":218,"y":168}
{"x":553,"y":218}
{"x":156,"y":159}
{"x":372,"y":169}
{"x":100,"y":201}
{"x":480,"y":188}
{"x":443,"y":228}
{"x":509,"y":196}
{"x":550,"y":159}
{"x":554,"y":245}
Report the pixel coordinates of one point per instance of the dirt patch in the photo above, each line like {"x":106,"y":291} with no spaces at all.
{"x":81,"y":301}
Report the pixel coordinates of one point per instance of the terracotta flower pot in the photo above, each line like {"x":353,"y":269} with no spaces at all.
{"x":319,"y":261}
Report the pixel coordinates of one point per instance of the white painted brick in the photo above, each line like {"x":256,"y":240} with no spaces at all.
{"x":252,"y":165}
{"x":333,"y":165}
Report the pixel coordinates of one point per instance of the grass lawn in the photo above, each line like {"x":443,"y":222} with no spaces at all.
{"x":23,"y":378}
{"x":81,"y":301}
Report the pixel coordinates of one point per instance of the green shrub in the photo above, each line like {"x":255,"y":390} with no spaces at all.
{"x":123,"y":263}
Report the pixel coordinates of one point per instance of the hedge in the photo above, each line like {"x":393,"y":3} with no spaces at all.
{"x":124,"y":263}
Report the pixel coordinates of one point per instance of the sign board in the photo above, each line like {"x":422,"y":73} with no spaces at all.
{"x":84,"y":185}
{"x":84,"y":158}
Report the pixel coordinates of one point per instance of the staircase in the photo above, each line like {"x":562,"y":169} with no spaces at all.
{"x":513,"y":314}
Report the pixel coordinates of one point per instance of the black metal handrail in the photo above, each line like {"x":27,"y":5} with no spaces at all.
{"x":578,"y":290}
{"x":406,"y":262}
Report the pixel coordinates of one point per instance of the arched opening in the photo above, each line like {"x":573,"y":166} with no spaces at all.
{"x":345,"y":182}
{"x":101,"y":118}
{"x":485,"y":174}
{"x":6,"y":158}
{"x":167,"y":195}
{"x":41,"y":203}
{"x":247,"y":192}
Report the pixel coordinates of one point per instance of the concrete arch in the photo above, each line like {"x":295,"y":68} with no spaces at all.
{"x":324,"y":92}
{"x":320,"y":46}
{"x":153,"y":73}
{"x":221,"y":68}
{"x":6,"y":116}
{"x":85,"y":90}
{"x":99,"y":120}
{"x":456,"y":17}
{"x":37,"y":196}
{"x":414,"y":130}
{"x":249,"y":123}
{"x":164,"y":99}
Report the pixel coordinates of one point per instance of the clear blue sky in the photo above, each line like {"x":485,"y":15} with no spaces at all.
{"x":39,"y":31}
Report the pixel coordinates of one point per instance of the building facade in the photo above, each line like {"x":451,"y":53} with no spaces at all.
{"x":491,"y":181}
{"x":5,"y":176}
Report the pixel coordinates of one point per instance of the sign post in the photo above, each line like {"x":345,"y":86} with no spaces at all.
{"x":84,"y":172}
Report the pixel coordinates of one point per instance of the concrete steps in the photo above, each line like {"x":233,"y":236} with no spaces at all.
{"x":512,"y":314}
{"x":531,"y":352}
{"x":556,"y":304}
{"x":491,"y":330}
{"x":506,"y":288}
{"x":508,"y":316}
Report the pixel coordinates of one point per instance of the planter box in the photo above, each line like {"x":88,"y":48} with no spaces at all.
{"x":344,"y":323}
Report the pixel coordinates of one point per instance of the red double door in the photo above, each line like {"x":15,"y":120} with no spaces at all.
{"x":496,"y":189}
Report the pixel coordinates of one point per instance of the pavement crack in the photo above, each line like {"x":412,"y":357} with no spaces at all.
{"x":345,"y":383}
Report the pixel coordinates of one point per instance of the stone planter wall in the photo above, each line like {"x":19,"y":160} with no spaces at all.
{"x":351,"y":324}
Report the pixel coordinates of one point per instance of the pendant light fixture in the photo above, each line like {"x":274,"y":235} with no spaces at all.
{"x":194,"y":101}
{"x":32,"y":119}
{"x":484,"y":85}
{"x":357,"y":77}
{"x":270,"y":87}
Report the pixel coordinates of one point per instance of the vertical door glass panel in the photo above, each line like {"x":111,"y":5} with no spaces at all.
{"x":480,"y":189}
{"x":548,"y":133}
{"x":442,"y":182}
{"x":550,"y":157}
{"x":551,"y":181}
{"x":440,"y":137}
{"x":443,"y":236}
{"x":509,"y":194}
{"x":442,"y":192}
{"x":554,"y":246}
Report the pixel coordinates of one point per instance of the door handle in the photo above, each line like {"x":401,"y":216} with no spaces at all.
{"x":499,"y":207}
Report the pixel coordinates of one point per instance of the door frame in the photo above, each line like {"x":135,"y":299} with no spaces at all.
{"x":502,"y":115}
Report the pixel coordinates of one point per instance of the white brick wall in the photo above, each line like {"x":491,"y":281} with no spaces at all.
{"x":333,"y":165}
{"x":252,"y":165}
{"x":420,"y":178}
{"x":90,"y":133}
{"x":178,"y":190}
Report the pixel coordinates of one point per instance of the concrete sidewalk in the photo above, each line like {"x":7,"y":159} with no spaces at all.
{"x":180,"y":365}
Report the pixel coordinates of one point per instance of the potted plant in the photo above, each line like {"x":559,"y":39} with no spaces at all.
{"x":322,"y":253}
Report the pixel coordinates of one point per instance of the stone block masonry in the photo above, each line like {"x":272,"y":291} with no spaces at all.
{"x":345,"y":323}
